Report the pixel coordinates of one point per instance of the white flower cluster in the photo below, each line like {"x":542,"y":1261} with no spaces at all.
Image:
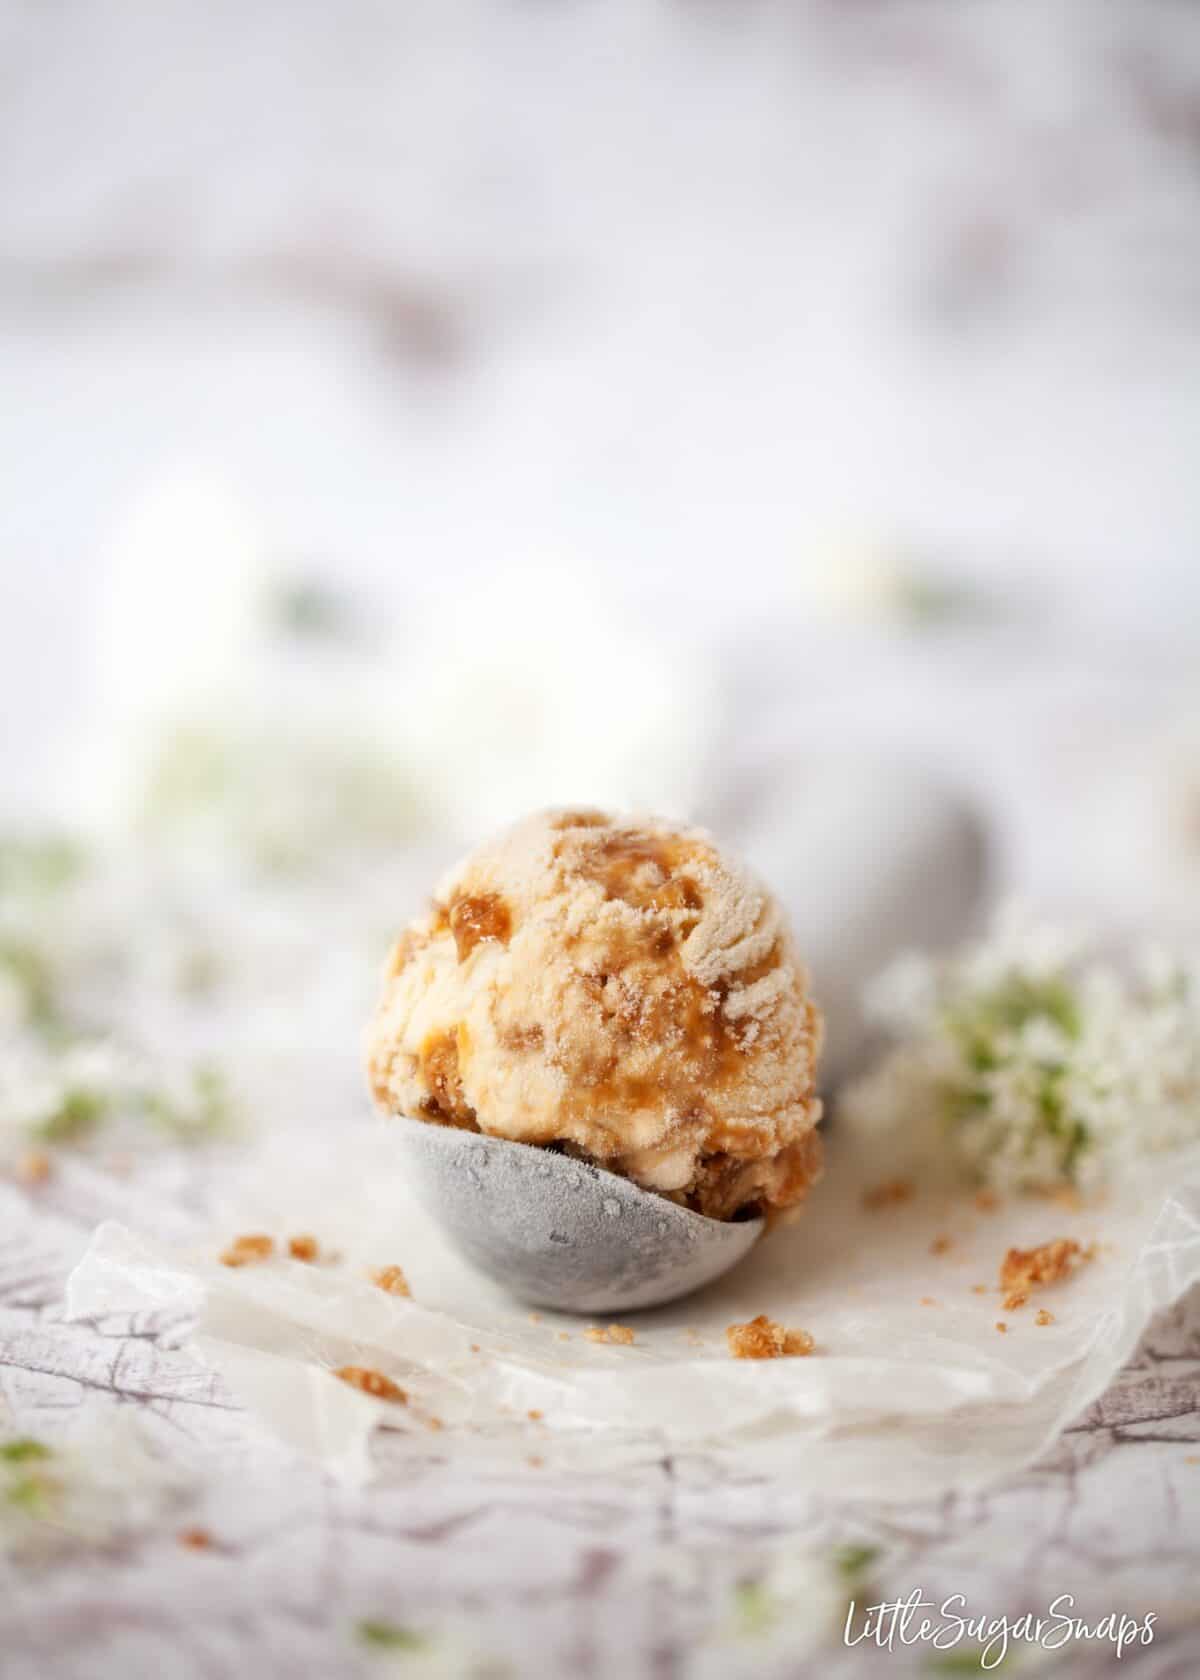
{"x":53,"y":1093}
{"x":61,"y":1076}
{"x":1035,"y":1061}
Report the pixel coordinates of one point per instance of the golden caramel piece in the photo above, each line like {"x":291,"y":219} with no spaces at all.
{"x":762,"y":1338}
{"x":940,"y":1245}
{"x":619,"y":989}
{"x":618,"y":1334}
{"x":303,"y":1248}
{"x":1044,"y":1317}
{"x":34,"y":1167}
{"x":373,"y":1383}
{"x":987,"y":1201}
{"x":534,"y":1415}
{"x":1031,"y":1268}
{"x":195,"y":1539}
{"x":1002,"y":1327}
{"x":250,"y":1250}
{"x":889,"y":1194}
{"x":474,"y":920}
{"x":392,"y":1281}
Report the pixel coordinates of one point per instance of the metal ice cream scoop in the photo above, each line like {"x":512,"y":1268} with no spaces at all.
{"x":558,"y":1232}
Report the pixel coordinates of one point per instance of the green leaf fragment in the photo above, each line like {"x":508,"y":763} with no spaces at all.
{"x":24,"y":1450}
{"x":44,"y":865}
{"x":852,"y":1562}
{"x":965,"y":1662}
{"x":79,"y":1113}
{"x":389,"y":1636}
{"x":755,"y":1607}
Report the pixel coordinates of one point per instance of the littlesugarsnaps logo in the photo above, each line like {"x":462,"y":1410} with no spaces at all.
{"x":950,"y":1626}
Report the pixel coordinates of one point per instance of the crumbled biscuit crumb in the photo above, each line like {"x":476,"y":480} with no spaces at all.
{"x":987,"y":1201}
{"x":1191,"y":1458}
{"x":534,"y":1415}
{"x":34,"y":1167}
{"x":303,"y":1247}
{"x":979,"y":1289}
{"x":564,"y":1335}
{"x":889,"y":1194}
{"x":1002,"y":1327}
{"x":928,"y":1301}
{"x":392,"y":1281}
{"x":474,"y":1347}
{"x":1029,"y":1268}
{"x":1043,"y":1317}
{"x":762,"y":1338}
{"x":372,"y":1382}
{"x":1068,"y":1197}
{"x":250,"y":1250}
{"x":940,"y":1245}
{"x":535,"y":1318}
{"x":434,"y":1423}
{"x":537,"y":1462}
{"x":195,"y":1539}
{"x":619,"y":1334}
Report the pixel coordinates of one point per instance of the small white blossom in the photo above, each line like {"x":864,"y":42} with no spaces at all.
{"x":1039,"y":1063}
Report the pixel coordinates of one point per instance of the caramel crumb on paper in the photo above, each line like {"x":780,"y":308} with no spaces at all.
{"x":534,"y":1415}
{"x":928,"y":1301}
{"x":392,"y":1281}
{"x":762,"y":1338}
{"x":249,"y":1250}
{"x":372,"y":1382}
{"x":889,"y":1194}
{"x":34,"y":1167}
{"x":619,"y":1334}
{"x":1030,"y":1268}
{"x":434,"y":1423}
{"x":1044,"y":1317}
{"x":303,"y":1247}
{"x":537,"y":1462}
{"x":195,"y":1539}
{"x":1191,"y":1458}
{"x":940,"y":1245}
{"x":1002,"y":1327}
{"x":979,"y":1289}
{"x":987,"y":1201}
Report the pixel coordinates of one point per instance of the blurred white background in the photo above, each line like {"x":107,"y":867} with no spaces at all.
{"x":661,"y":385}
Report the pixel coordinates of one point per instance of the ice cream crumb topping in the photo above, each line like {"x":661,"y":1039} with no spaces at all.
{"x":1030,"y":1268}
{"x":619,"y":989}
{"x":763,"y":1338}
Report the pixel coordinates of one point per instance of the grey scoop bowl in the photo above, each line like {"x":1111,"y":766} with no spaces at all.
{"x":557,"y":1232}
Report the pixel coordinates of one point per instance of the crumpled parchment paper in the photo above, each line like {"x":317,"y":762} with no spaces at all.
{"x":911,"y":1390}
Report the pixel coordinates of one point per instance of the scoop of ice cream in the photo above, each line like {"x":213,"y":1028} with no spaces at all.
{"x":620,"y":989}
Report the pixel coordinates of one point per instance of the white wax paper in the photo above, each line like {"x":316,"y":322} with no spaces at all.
{"x":911,"y":1390}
